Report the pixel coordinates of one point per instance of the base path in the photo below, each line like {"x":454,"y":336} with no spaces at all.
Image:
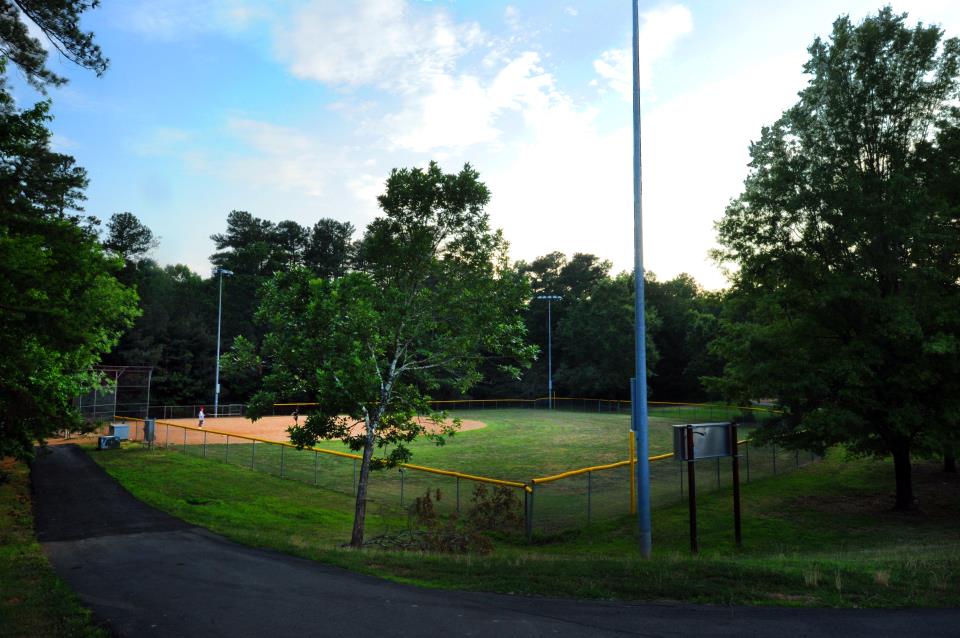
{"x":144,"y":573}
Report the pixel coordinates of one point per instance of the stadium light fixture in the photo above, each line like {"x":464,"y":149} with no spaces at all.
{"x":639,"y":386}
{"x":549,"y":299}
{"x":216,"y":380}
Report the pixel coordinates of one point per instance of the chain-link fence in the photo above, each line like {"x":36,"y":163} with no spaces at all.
{"x":549,"y":505}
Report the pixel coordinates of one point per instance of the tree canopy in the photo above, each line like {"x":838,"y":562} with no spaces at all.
{"x":845,"y":243}
{"x":431,"y":296}
{"x":59,"y":21}
{"x":61,"y":307}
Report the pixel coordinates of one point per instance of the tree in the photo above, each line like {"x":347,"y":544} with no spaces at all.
{"x":61,"y":307}
{"x":330,"y":251}
{"x":128,"y":238}
{"x":431,"y":293}
{"x":59,"y":20}
{"x":844,"y":304}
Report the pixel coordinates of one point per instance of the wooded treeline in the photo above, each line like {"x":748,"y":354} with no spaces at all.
{"x":592,"y":325}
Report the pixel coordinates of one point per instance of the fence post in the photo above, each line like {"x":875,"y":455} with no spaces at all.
{"x":316,"y":468}
{"x":226,"y":450}
{"x":204,"y":444}
{"x":747,"y":446}
{"x":282,"y":449}
{"x":166,"y":442}
{"x":253,"y":455}
{"x":401,"y":487}
{"x":184,"y":440}
{"x":354,"y":477}
{"x":528,"y":497}
{"x":589,"y":495}
{"x":458,"y":495}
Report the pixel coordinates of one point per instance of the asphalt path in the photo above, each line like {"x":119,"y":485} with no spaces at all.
{"x":145,"y":573}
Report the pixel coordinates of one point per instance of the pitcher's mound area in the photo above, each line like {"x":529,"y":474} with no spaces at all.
{"x":274,"y":428}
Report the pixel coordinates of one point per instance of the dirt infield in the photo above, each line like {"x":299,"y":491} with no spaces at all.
{"x":272,"y":428}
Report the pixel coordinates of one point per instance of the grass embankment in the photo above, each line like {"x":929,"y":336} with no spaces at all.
{"x":821,"y":536}
{"x":33,"y":601}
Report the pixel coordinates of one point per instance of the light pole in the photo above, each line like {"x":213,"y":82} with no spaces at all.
{"x":216,"y":381}
{"x":549,"y":299}
{"x":639,"y":387}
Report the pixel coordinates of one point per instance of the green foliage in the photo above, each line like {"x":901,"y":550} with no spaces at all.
{"x":128,"y":238}
{"x":430,"y":296}
{"x":61,"y":308}
{"x":845,"y":303}
{"x":60,"y":22}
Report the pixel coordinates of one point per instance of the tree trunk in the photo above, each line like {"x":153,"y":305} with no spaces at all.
{"x":950,"y":461}
{"x":904,"y":476}
{"x":360,"y":514}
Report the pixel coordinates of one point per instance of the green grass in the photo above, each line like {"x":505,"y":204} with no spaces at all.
{"x":516,"y":445}
{"x":822,"y":535}
{"x":33,"y":601}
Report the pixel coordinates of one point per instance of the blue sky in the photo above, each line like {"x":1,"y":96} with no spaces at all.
{"x":298,"y":110}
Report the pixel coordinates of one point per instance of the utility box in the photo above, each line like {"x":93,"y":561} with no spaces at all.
{"x":108,"y":443}
{"x":120,"y":430}
{"x":149,"y":430}
{"x":710,"y":441}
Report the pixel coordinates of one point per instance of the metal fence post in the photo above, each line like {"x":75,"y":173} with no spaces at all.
{"x":226,"y":450}
{"x":316,"y":468}
{"x":589,"y":494}
{"x":529,"y":499}
{"x":166,"y":442}
{"x":253,"y":455}
{"x":401,"y":487}
{"x":458,"y":495}
{"x":747,"y":446}
{"x":184,"y":440}
{"x":204,"y":444}
{"x":282,"y":449}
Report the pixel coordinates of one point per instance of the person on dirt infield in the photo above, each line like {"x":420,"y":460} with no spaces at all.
{"x":296,"y":416}
{"x":202,"y":416}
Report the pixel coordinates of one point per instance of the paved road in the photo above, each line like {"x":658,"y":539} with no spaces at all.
{"x":145,"y":573}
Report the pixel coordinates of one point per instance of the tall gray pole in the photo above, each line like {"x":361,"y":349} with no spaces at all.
{"x":639,"y":399}
{"x":216,"y":381}
{"x":549,"y":357}
{"x":549,"y":299}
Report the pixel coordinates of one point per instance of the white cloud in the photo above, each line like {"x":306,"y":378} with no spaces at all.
{"x":460,"y":112}
{"x":571,"y":11}
{"x":384,"y":43}
{"x":660,"y":29}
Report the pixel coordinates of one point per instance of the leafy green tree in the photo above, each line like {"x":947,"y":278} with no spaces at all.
{"x":598,"y":337}
{"x":330,"y":251}
{"x":845,"y":304}
{"x":61,"y":307}
{"x":59,"y":20}
{"x":431,"y":294}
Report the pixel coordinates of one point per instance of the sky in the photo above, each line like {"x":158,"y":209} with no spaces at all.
{"x":299,"y":110}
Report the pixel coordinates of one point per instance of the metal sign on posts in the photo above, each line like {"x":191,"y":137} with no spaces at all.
{"x":696,"y":442}
{"x":638,"y":388}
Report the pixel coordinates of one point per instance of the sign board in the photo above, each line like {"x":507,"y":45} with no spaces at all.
{"x":710,"y":441}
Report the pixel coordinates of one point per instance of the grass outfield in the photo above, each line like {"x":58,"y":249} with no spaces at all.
{"x":33,"y":601}
{"x":820,"y":536}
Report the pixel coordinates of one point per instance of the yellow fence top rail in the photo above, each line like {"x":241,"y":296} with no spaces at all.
{"x":422,"y":468}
